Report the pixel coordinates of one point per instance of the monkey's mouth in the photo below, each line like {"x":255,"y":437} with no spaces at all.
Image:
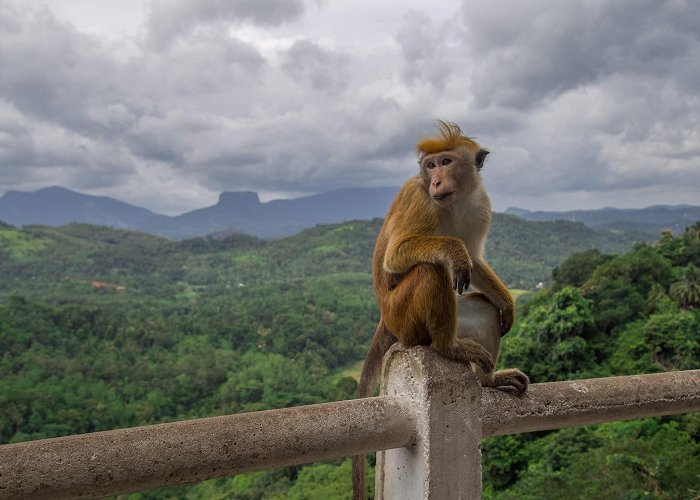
{"x":443,"y":196}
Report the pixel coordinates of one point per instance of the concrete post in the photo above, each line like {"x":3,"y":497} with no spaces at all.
{"x":445,"y":460}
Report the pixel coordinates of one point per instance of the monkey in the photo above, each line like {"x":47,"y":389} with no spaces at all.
{"x":428,"y":253}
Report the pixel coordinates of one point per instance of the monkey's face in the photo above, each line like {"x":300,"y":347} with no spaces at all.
{"x":449,"y":175}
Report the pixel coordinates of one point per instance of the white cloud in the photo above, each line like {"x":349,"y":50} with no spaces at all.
{"x":602,"y":94}
{"x":589,"y":104}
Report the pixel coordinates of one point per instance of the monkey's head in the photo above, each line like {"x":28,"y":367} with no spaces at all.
{"x":450,"y":164}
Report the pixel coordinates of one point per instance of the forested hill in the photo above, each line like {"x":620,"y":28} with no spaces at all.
{"x":101,"y":329}
{"x":522,"y":252}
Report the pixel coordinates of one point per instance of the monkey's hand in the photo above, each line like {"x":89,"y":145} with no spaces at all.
{"x":461,"y":274}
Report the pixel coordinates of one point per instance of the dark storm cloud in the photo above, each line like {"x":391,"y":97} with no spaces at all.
{"x":172,"y":19}
{"x":587,"y":96}
{"x":54,"y":74}
{"x":534,"y":50}
{"x":594,"y":97}
{"x":16,"y":143}
{"x":423,"y":47}
{"x":64,"y":83}
{"x":59,"y":100}
{"x":321,"y":68}
{"x":188,"y":93}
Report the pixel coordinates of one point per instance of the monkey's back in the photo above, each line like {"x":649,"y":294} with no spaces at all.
{"x":410,"y":213}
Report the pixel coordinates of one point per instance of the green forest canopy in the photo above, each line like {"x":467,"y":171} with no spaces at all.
{"x":101,"y":329}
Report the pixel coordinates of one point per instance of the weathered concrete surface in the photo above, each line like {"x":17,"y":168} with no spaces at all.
{"x":445,"y":461}
{"x":554,"y":405}
{"x":433,"y":407}
{"x":453,"y":412}
{"x":139,"y":458}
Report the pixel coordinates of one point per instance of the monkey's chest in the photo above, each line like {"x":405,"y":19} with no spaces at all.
{"x":471,"y":234}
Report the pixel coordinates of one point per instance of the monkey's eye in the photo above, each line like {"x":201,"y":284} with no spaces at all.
{"x":430,"y":165}
{"x":446,"y":161}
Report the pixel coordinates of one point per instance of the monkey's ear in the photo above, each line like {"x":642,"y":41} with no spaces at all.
{"x":480,"y":157}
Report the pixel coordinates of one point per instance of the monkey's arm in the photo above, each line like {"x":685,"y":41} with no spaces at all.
{"x":404,"y":253}
{"x":488,"y":283}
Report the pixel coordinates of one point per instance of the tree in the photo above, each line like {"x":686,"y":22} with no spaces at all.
{"x":630,"y":464}
{"x":575,"y":270}
{"x":662,"y":342}
{"x":682,"y":250}
{"x":687,"y":291}
{"x":553,"y":341}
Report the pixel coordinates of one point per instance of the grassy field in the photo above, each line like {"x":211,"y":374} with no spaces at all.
{"x":353,"y":370}
{"x":517,"y":292}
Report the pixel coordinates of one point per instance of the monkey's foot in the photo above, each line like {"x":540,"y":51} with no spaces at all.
{"x":467,"y":351}
{"x":511,"y":377}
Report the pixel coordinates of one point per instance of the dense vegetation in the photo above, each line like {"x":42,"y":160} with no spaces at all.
{"x":607,"y":315}
{"x":102,"y":329}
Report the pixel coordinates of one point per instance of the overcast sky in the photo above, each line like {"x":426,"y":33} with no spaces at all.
{"x":165,"y":104}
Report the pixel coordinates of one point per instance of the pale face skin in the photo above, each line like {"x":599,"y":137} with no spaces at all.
{"x":450,"y":175}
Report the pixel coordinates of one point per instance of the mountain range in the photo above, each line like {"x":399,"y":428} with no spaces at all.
{"x":650,"y":220}
{"x":235,"y":212}
{"x":243,"y":212}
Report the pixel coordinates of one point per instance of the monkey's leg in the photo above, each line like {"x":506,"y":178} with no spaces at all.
{"x":422,"y":310}
{"x":488,"y":282}
{"x":466,"y":351}
{"x":479,"y":319}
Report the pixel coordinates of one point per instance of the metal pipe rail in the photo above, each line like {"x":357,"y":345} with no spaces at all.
{"x":431,"y":419}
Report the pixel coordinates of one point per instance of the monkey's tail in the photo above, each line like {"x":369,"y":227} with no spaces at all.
{"x":381,"y":342}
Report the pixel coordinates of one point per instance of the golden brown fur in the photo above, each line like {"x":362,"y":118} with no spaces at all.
{"x":429,"y":250}
{"x":450,"y":138}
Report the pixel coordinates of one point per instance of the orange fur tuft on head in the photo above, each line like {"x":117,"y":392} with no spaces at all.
{"x":450,"y":138}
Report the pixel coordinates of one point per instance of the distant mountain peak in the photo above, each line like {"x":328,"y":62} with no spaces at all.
{"x":516,"y":211}
{"x":55,"y":189}
{"x":58,"y":206}
{"x":238,"y":198}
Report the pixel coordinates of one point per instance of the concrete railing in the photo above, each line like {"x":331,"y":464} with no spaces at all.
{"x":427,"y":426}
